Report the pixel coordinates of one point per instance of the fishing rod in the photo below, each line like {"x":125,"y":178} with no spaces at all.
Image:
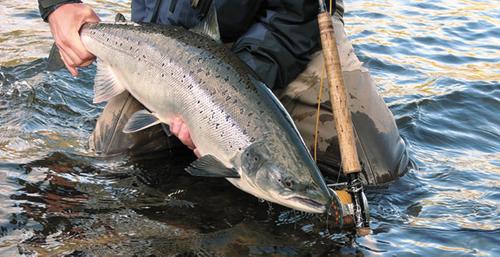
{"x":343,"y":122}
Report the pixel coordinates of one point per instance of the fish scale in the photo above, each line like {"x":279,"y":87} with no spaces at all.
{"x":174,"y":72}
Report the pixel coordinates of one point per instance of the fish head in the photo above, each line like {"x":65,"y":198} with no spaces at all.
{"x":282,"y":178}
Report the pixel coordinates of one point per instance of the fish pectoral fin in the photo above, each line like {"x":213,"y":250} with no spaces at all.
{"x":140,"y":120}
{"x":106,"y":86}
{"x":209,"y":166}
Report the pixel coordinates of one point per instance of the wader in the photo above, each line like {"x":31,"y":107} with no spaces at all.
{"x":382,"y":151}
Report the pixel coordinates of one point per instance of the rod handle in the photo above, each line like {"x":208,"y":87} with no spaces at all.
{"x":338,"y":97}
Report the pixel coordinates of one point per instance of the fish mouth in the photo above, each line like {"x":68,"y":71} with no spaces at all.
{"x":309,"y":205}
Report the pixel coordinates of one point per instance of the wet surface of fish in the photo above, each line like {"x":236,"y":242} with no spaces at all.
{"x":239,"y":127}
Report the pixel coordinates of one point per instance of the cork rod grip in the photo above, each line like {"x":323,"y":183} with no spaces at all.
{"x":338,"y":98}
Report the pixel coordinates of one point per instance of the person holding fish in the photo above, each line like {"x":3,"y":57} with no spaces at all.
{"x":280,"y":42}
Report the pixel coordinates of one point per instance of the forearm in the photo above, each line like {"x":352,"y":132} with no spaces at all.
{"x":46,"y":7}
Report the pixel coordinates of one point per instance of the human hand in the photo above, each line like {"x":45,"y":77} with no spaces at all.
{"x":180,"y":129}
{"x":65,"y":23}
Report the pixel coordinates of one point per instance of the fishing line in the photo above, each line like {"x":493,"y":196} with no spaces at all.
{"x":316,"y":126}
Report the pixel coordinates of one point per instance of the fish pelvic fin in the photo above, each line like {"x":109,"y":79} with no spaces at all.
{"x":106,"y":86}
{"x":209,"y":26}
{"x":140,"y":120}
{"x":210,"y":166}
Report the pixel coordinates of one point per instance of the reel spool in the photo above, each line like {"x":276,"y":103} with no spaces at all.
{"x":342,"y":211}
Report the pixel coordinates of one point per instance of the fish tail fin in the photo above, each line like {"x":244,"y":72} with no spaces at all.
{"x":54,"y":62}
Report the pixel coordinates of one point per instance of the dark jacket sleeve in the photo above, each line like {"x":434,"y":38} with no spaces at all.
{"x":46,"y":7}
{"x":278,"y":45}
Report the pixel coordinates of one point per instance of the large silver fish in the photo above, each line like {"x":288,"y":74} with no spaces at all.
{"x":239,"y":127}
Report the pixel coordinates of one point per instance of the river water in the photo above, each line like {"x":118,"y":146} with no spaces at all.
{"x":437,"y":64}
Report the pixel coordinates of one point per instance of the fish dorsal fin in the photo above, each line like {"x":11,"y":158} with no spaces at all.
{"x":140,"y":120}
{"x":106,"y":86}
{"x":209,"y":26}
{"x":210,"y":166}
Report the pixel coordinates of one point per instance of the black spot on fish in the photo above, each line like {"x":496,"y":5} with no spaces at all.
{"x":162,"y":75}
{"x":252,"y":139}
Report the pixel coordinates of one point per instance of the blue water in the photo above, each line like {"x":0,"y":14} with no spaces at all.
{"x":436,"y":63}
